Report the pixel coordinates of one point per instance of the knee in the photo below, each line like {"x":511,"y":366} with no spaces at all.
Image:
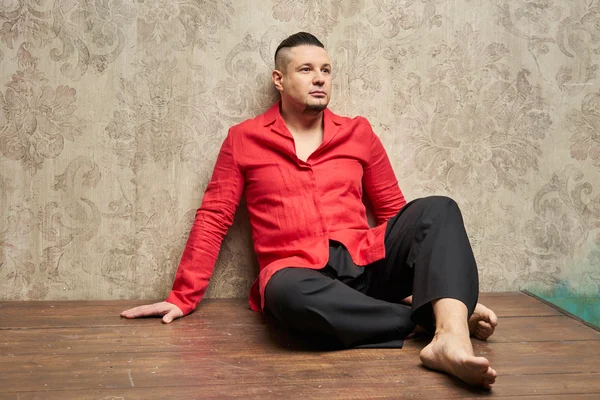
{"x":441,"y":203}
{"x":284,"y":292}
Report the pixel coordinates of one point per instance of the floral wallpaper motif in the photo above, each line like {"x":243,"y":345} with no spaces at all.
{"x":571,"y":27}
{"x":36,"y":118}
{"x":79,"y":34}
{"x":567,"y":219}
{"x":404,"y":16}
{"x":160,"y":113}
{"x":180,"y":24}
{"x":474,"y":127}
{"x":585,"y":126}
{"x":68,"y":223}
{"x":143,"y":261}
{"x":246,"y":89}
{"x":112,"y":114}
{"x":26,"y":19}
{"x":319,"y":17}
{"x":17,"y":269}
{"x":563,"y":220}
{"x":357,"y":78}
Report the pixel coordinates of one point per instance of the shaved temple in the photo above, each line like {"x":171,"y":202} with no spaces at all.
{"x":282,"y":54}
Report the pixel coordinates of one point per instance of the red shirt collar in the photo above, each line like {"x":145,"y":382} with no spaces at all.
{"x":273,"y":118}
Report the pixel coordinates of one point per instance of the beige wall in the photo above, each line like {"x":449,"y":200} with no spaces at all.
{"x":113,"y":112}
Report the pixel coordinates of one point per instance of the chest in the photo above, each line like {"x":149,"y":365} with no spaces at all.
{"x":306,"y":144}
{"x":270,"y":165}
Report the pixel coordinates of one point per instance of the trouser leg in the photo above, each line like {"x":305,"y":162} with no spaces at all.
{"x":428,"y":256}
{"x":328,"y":311}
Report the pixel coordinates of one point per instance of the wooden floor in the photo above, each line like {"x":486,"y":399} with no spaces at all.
{"x":83,"y":350}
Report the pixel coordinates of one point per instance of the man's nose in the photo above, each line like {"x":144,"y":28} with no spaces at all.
{"x":319,"y":78}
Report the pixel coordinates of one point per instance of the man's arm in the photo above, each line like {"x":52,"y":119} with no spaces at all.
{"x":380,"y":183}
{"x":213,"y":219}
{"x":381,"y":186}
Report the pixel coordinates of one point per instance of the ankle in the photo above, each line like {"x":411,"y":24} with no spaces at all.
{"x":454,"y":328}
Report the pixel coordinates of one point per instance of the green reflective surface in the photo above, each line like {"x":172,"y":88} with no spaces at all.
{"x":585,"y":307}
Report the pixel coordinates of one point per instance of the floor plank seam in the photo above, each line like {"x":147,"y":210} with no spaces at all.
{"x":556,"y":373}
{"x":521,"y":396}
{"x":223,"y":348}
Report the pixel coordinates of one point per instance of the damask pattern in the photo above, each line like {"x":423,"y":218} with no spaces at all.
{"x":36,"y":118}
{"x":404,"y":16}
{"x":154,"y":121}
{"x":180,"y":24}
{"x":246,"y":90}
{"x":585,"y":126}
{"x":571,"y":27}
{"x":474,"y":127}
{"x":357,"y":78}
{"x":319,"y":17}
{"x":567,"y":219}
{"x":143,"y":261}
{"x":86,"y":33}
{"x":68,"y":223}
{"x":112,"y":114}
{"x":17,"y":269}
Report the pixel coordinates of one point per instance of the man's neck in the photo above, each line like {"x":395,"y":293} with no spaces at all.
{"x":302,"y":122}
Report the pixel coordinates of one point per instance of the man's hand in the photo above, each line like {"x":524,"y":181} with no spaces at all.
{"x":167,"y":311}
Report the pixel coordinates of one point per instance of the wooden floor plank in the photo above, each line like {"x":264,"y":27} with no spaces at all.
{"x":83,"y":350}
{"x":540,"y":329}
{"x":81,"y":371}
{"x":575,"y":396}
{"x":66,"y":308}
{"x":21,"y":315}
{"x":410,"y":386}
{"x":516,"y":305}
{"x":53,"y":314}
{"x":231,"y":334}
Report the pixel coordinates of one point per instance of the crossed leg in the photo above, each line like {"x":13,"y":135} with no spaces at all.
{"x":428,"y":255}
{"x":482,"y":322}
{"x":451,"y":351}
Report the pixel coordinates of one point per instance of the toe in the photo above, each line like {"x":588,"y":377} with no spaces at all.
{"x":485,"y":329}
{"x":487,"y":383}
{"x":482,"y":333}
{"x":491,"y":317}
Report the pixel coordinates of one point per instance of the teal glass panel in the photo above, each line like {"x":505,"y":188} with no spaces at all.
{"x":586,"y":307}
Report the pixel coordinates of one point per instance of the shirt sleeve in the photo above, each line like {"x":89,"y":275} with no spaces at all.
{"x":213,"y":219}
{"x":380,"y":183}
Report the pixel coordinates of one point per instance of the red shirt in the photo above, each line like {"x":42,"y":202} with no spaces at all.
{"x":294,"y":207}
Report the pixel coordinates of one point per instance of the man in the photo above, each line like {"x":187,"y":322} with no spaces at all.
{"x":324,"y":273}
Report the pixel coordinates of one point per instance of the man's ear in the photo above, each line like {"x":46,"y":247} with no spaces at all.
{"x":277,"y":77}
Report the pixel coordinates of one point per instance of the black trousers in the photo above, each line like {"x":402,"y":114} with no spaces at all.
{"x":428,"y":256}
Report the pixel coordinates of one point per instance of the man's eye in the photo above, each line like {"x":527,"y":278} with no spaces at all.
{"x":326,"y":71}
{"x":305,"y":69}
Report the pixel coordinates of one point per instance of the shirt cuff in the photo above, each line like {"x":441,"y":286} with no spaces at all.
{"x":178,"y":299}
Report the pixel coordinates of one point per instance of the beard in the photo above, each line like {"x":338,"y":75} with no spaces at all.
{"x":316,"y":108}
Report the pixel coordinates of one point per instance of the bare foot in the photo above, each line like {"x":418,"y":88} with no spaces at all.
{"x":483,"y":322}
{"x":453,"y":354}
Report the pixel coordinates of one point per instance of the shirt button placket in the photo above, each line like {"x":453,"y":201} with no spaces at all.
{"x":317,"y":199}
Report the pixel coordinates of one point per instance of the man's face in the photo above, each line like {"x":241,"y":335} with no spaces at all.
{"x":305,"y":82}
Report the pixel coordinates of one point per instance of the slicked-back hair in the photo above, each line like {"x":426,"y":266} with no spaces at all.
{"x":297,"y":39}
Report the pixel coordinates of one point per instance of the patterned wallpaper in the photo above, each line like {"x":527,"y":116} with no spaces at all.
{"x":113,"y":111}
